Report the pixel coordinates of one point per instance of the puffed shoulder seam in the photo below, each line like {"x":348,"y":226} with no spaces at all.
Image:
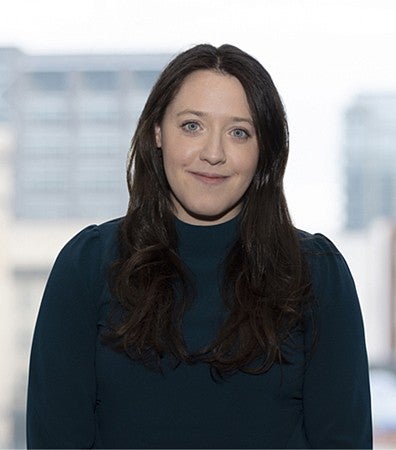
{"x":88,"y":238}
{"x":316,"y":244}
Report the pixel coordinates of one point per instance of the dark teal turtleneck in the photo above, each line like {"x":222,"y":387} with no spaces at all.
{"x":203,"y":249}
{"x":84,"y":395}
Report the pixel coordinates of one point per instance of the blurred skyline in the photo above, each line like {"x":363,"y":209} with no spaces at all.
{"x":321,"y":54}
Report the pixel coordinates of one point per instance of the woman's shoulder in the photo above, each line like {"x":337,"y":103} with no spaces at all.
{"x":321,"y":254}
{"x":91,"y":249}
{"x":316,"y":244}
{"x":103,"y":236}
{"x":108,"y":235}
{"x":331,"y":278}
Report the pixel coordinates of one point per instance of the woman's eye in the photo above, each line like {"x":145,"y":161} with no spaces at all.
{"x":190,"y":126}
{"x":240,"y":133}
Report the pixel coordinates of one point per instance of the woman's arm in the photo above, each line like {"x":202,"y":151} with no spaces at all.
{"x":337,"y":410}
{"x":61,"y":391}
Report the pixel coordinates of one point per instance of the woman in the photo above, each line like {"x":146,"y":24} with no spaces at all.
{"x":202,"y":319}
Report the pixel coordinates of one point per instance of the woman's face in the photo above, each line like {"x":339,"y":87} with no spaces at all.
{"x":209,"y":147}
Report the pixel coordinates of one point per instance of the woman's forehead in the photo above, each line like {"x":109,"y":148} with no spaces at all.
{"x":209,"y":92}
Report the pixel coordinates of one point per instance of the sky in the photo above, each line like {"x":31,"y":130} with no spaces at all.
{"x":321,"y":54}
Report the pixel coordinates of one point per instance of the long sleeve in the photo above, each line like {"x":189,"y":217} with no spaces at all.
{"x":61,"y":391}
{"x":337,"y":412}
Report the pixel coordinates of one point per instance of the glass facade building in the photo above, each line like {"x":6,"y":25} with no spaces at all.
{"x":370,"y":149}
{"x":73,"y":118}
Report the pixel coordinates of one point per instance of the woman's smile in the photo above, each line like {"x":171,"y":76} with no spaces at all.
{"x":212,"y":179}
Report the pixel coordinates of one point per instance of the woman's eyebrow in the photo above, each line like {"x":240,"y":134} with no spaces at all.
{"x":242,"y":119}
{"x":203,"y":114}
{"x":192,"y":111}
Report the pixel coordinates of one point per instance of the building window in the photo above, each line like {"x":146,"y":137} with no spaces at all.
{"x":48,"y":108}
{"x":99,"y":175}
{"x":99,"y":108}
{"x":51,"y":178}
{"x":100,"y":80}
{"x":100,"y":143}
{"x":38,"y":142}
{"x":145,"y":79}
{"x":49,"y":81}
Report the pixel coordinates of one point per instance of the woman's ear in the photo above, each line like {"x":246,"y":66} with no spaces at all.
{"x":158,"y":139}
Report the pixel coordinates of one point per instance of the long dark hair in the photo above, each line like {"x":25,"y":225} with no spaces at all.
{"x":266,"y":280}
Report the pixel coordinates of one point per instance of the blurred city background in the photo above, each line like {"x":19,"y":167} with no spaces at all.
{"x":73,"y":80}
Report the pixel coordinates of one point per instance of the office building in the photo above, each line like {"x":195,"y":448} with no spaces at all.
{"x":370,"y":151}
{"x":73,"y":117}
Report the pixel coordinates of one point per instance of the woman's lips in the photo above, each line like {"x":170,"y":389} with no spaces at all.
{"x":209,"y":178}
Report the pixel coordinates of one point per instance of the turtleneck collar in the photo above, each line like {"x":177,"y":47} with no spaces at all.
{"x":205,"y":240}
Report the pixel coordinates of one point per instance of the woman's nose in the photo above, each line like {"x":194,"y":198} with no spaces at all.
{"x":213,"y":149}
